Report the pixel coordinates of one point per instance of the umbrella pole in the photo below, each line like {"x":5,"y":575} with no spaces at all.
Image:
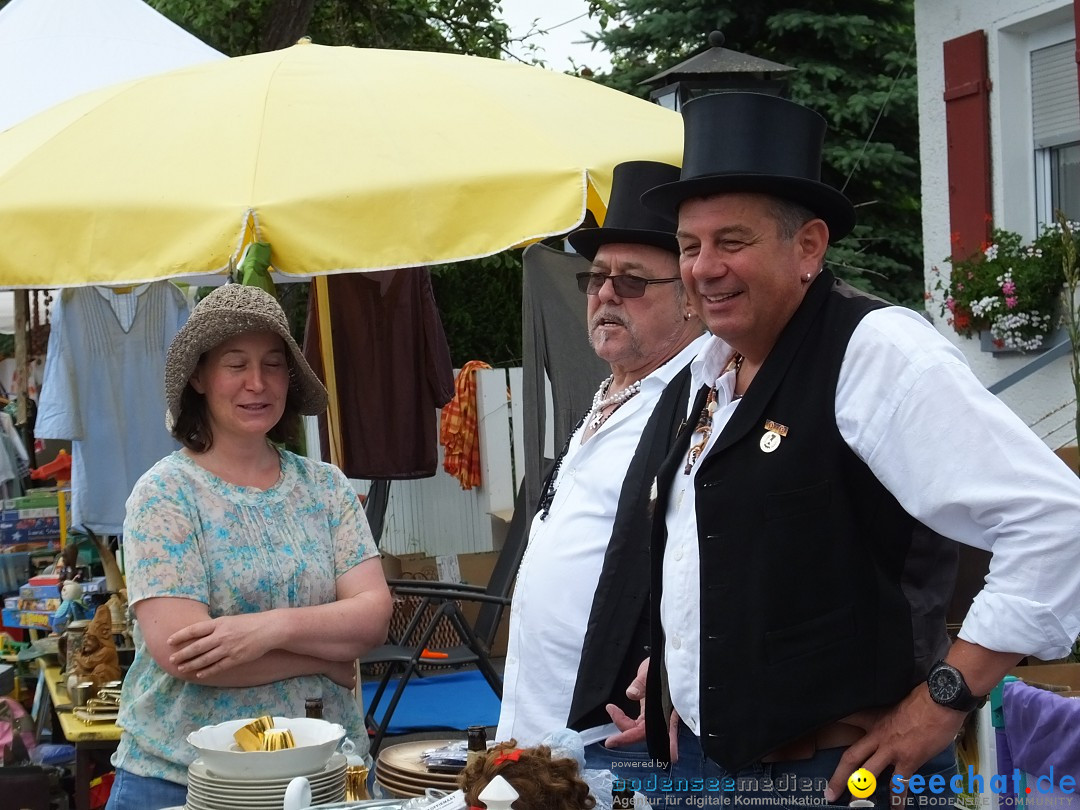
{"x":22,"y":370}
{"x":326,"y":347}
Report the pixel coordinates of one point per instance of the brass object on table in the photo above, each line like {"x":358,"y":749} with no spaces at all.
{"x":356,"y":783}
{"x":82,"y":692}
{"x":277,"y":739}
{"x":250,"y":736}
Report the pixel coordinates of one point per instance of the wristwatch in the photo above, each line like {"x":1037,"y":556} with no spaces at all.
{"x":948,"y":688}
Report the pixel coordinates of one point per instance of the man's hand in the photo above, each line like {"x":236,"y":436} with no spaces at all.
{"x":632,"y":730}
{"x":904,"y":737}
{"x":218,"y":645}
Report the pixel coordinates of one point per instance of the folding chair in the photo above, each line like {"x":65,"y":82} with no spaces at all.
{"x":439,"y":602}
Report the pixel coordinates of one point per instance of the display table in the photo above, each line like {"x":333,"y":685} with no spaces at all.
{"x":85,"y":737}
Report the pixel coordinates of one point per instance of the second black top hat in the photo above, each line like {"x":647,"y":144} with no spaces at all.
{"x":627,"y":220}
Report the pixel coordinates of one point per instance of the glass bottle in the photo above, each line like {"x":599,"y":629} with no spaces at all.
{"x":477,"y":737}
{"x":622,"y":795}
{"x":313,"y":708}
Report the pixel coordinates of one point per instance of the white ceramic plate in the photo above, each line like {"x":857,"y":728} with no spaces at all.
{"x":324,"y":793}
{"x":201,"y":773}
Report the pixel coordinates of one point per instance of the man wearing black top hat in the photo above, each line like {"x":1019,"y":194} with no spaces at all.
{"x":579,"y":619}
{"x":833,"y":439}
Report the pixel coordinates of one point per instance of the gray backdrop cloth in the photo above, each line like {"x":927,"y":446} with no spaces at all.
{"x":556,"y":340}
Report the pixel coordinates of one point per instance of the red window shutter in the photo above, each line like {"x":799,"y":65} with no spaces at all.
{"x":967,"y":125}
{"x":1076,"y":22}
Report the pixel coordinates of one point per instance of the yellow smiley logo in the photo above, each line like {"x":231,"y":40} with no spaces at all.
{"x":861,"y":783}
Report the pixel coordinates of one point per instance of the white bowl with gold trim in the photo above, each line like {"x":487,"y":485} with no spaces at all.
{"x":316,"y":741}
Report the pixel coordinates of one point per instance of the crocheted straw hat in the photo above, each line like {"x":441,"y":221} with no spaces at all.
{"x":231,"y":310}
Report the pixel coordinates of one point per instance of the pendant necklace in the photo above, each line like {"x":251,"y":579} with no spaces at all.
{"x":704,"y":425}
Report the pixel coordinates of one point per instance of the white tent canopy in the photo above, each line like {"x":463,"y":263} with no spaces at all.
{"x":53,"y":50}
{"x":7,"y":313}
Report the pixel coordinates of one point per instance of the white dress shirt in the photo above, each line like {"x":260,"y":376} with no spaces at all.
{"x":953,"y":455}
{"x":553,"y":594}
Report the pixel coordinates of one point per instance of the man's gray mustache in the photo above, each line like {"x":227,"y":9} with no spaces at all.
{"x":600,"y":317}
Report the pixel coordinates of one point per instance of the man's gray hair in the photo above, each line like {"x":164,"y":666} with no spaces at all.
{"x":789,"y":216}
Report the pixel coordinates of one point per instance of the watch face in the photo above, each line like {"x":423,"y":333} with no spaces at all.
{"x":945,"y":685}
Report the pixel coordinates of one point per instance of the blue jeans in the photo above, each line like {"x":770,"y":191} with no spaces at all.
{"x":131,"y":792}
{"x":697,"y":781}
{"x":630,"y":764}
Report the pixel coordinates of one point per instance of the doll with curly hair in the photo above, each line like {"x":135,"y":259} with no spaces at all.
{"x":542,"y":782}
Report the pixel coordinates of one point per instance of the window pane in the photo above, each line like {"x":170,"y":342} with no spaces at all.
{"x":1066,"y":180}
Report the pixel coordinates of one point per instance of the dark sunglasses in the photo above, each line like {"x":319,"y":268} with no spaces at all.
{"x":626,"y":286}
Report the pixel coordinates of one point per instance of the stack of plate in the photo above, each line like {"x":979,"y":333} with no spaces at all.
{"x":401,"y":771}
{"x":206,"y":791}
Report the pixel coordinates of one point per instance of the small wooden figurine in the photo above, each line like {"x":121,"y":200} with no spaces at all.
{"x":96,"y":660}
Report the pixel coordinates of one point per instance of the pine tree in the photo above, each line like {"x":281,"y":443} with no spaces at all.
{"x":855,"y":64}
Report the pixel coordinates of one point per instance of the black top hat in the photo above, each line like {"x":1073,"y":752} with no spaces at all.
{"x":752,"y":142}
{"x":627,"y":219}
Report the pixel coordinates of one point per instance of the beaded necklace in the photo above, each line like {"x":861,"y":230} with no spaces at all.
{"x":705,"y":418}
{"x":596,"y":416}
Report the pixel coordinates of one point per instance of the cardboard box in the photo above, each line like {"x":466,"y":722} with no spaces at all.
{"x":40,"y":605}
{"x":35,"y":516}
{"x":35,"y":620}
{"x":15,"y":527}
{"x":94,"y":585}
{"x":1054,"y":676}
{"x":1070,"y":454}
{"x":35,"y":499}
{"x":29,"y":592}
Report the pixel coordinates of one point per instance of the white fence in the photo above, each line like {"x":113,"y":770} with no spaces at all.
{"x":435,"y":516}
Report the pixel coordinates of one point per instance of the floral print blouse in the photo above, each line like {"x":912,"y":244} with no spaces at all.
{"x":238,"y":550}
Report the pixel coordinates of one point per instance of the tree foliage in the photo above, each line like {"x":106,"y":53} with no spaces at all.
{"x":855,"y":63}
{"x":238,"y":27}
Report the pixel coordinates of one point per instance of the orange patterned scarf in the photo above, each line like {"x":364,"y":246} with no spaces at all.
{"x":458,"y":430}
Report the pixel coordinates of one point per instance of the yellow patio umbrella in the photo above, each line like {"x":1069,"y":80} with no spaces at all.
{"x":343,"y":159}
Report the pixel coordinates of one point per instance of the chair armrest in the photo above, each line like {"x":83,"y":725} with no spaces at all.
{"x":445,"y":591}
{"x":463,"y":586}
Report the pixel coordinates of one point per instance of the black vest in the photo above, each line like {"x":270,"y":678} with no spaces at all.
{"x":617,"y":636}
{"x":806,"y":560}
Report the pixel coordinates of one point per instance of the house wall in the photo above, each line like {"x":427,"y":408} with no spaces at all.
{"x":1014,"y":28}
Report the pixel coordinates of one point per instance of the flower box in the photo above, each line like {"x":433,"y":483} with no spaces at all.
{"x":1009,"y":292}
{"x":988,"y":343}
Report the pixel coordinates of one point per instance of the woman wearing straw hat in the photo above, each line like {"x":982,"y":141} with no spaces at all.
{"x":252,"y":573}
